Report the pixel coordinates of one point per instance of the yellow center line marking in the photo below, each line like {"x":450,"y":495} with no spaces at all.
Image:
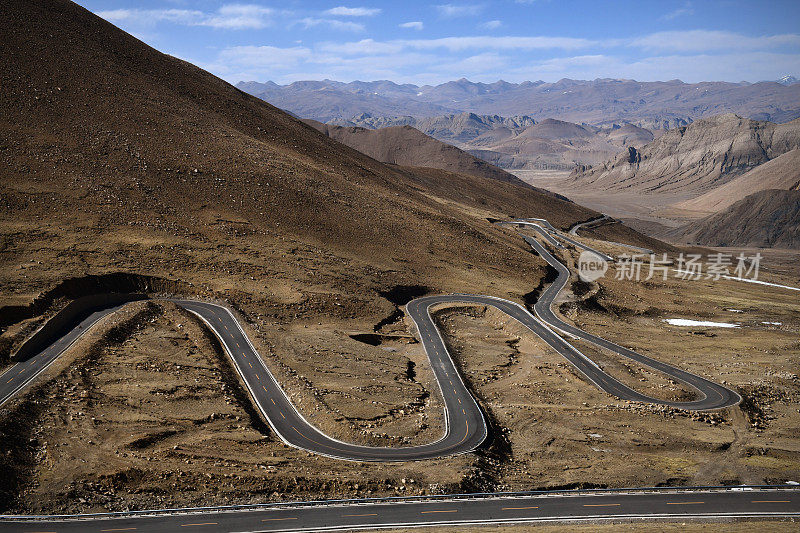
{"x":771,"y":501}
{"x":200,"y":524}
{"x":365,"y":514}
{"x":258,"y":377}
{"x":271,"y":399}
{"x":287,"y":518}
{"x":684,"y":503}
{"x":602,"y":504}
{"x":9,"y":381}
{"x":459,"y":400}
{"x":447,"y":511}
{"x":518,"y":508}
{"x":251,"y":364}
{"x":284,"y":416}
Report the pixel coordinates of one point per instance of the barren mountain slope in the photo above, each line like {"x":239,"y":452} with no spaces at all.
{"x":691,"y":160}
{"x":783,"y":172}
{"x":628,"y":134}
{"x":104,"y":135}
{"x":558,"y":144}
{"x":404,"y":145}
{"x":768,"y":218}
{"x":557,"y":129}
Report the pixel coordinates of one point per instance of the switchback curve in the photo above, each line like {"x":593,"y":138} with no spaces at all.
{"x":465,"y":425}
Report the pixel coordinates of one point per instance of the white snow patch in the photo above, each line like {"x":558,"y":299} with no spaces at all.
{"x":773,"y":323}
{"x":735,"y":310}
{"x":702,"y":323}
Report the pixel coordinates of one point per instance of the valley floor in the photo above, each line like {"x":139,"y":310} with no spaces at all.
{"x":642,"y":212}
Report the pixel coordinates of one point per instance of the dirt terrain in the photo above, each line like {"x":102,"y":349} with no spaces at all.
{"x":136,"y":167}
{"x":768,"y":218}
{"x":147,"y":412}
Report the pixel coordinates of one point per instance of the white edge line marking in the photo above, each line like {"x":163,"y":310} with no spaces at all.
{"x":565,"y":518}
{"x":11,"y":394}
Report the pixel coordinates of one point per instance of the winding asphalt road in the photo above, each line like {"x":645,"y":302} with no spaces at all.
{"x":465,"y":429}
{"x":712,"y":395}
{"x":597,"y":221}
{"x":465,"y":425}
{"x":663,"y":505}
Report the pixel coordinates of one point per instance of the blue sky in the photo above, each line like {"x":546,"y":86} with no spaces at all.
{"x":431,"y":42}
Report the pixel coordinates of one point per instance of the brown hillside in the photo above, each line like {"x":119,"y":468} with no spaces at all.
{"x":119,"y":158}
{"x":768,"y":218}
{"x":694,"y":159}
{"x":783,"y":172}
{"x":404,"y":145}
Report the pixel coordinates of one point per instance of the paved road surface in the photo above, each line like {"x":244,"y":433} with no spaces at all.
{"x":543,"y":508}
{"x":574,"y":229}
{"x":465,"y":430}
{"x":465,"y":426}
{"x":712,"y":395}
{"x":597,"y":221}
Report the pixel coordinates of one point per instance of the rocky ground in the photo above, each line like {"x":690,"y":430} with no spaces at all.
{"x":147,"y":412}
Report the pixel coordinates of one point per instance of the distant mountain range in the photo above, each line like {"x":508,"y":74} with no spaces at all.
{"x":600,"y":102}
{"x":520,"y":142}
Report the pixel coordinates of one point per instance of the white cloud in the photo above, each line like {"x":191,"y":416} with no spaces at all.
{"x":459,"y":10}
{"x":264,"y":56}
{"x":499,"y":43}
{"x":415,"y":25}
{"x":343,"y":11}
{"x":476,"y":64}
{"x":362,"y":47}
{"x":706,"y":41}
{"x":310,"y":22}
{"x":689,"y":68}
{"x":228,"y":16}
{"x":178,"y":16}
{"x":491,"y":24}
{"x":687,"y":9}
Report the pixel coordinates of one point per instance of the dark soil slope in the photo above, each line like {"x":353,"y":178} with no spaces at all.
{"x":117,"y":157}
{"x":407,"y":146}
{"x":694,"y":159}
{"x":769,"y":218}
{"x":783,"y":172}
